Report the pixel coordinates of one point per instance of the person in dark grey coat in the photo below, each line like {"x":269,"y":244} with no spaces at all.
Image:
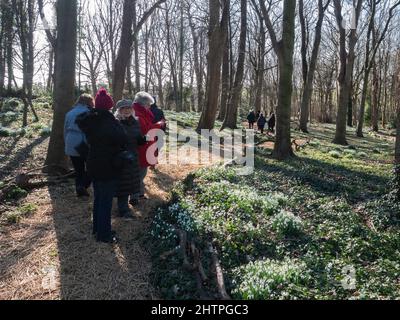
{"x":129,"y":182}
{"x":107,"y":140}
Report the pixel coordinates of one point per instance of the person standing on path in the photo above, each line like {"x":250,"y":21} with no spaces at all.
{"x":261,"y":123}
{"x":251,"y":118}
{"x":141,"y":107}
{"x":107,"y":139}
{"x":129,"y":182}
{"x":75,"y":144}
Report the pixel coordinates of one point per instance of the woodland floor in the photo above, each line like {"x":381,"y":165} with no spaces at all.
{"x":50,"y":253}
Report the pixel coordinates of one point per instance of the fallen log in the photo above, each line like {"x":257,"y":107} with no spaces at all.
{"x":198,"y":264}
{"x":219,"y":274}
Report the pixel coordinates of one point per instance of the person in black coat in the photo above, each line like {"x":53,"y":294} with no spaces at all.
{"x":271,"y":123}
{"x":106,"y":139}
{"x":261,"y":123}
{"x":129,"y":183}
{"x":158,"y":115}
{"x":251,"y":118}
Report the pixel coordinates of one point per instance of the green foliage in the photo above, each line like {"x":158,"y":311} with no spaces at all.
{"x":335,"y":154}
{"x":11,"y":104}
{"x":27,"y":209}
{"x":286,"y":224}
{"x":270,"y":279}
{"x":16,"y":216}
{"x":5,"y":132}
{"x":13,"y":217}
{"x":16,"y":193}
{"x":291,"y":229}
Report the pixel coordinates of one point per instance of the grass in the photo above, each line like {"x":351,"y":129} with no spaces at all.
{"x":291,"y":230}
{"x":19,"y":213}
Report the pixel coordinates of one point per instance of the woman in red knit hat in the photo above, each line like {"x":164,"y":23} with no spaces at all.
{"x":106,"y":138}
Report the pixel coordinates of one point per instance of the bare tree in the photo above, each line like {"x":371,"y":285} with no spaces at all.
{"x":230,"y":120}
{"x":128,"y":35}
{"x":215,"y":52}
{"x":64,"y":80}
{"x":347,"y":58}
{"x":309,"y":67}
{"x":370,"y":54}
{"x":284,"y":50}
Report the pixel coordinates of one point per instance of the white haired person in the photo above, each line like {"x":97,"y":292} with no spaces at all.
{"x":129,"y":181}
{"x":141,"y":107}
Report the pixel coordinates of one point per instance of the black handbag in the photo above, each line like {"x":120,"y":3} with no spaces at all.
{"x":123,"y":158}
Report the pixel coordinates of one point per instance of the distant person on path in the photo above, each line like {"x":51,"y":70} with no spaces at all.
{"x":251,"y":118}
{"x":106,"y":138}
{"x":271,"y":123}
{"x":75,"y":144}
{"x":141,"y":107}
{"x":261,"y":123}
{"x":158,"y":114}
{"x":129,"y":183}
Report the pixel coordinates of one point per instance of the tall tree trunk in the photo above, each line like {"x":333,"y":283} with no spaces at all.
{"x":128,"y":37}
{"x":197,"y":64}
{"x":64,"y":85}
{"x":370,"y":58}
{"x":216,"y":41}
{"x":309,"y":72}
{"x":283,"y":144}
{"x":375,"y":99}
{"x":50,"y":73}
{"x":231,"y":115}
{"x":129,"y":76}
{"x":225,"y":87}
{"x":346,"y":71}
{"x":3,"y":13}
{"x":260,"y":69}
{"x":181,"y":55}
{"x":123,"y":55}
{"x":9,"y":37}
{"x":284,"y":49}
{"x":350,"y":106}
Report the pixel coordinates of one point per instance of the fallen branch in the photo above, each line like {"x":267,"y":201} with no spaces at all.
{"x":197,"y":263}
{"x":184,"y":249}
{"x":219,"y":274}
{"x":25,"y":173}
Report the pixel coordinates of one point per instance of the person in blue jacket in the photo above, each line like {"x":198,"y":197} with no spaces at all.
{"x":75,"y":144}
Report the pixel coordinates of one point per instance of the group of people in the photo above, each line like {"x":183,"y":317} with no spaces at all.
{"x":108,"y":143}
{"x":261,"y":121}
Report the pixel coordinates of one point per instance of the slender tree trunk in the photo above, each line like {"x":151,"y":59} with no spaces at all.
{"x":129,"y":76}
{"x":231,"y":115}
{"x":309,"y":71}
{"x":375,"y":99}
{"x":64,"y":79}
{"x":216,"y":40}
{"x":122,"y":59}
{"x":283,"y":144}
{"x":225,"y":87}
{"x":50,"y":73}
{"x":260,"y":64}
{"x":9,"y":37}
{"x":346,"y":71}
{"x":3,"y":13}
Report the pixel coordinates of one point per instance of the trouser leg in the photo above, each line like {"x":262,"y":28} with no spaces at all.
{"x":123,"y":206}
{"x":106,"y":191}
{"x":79,"y":167}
